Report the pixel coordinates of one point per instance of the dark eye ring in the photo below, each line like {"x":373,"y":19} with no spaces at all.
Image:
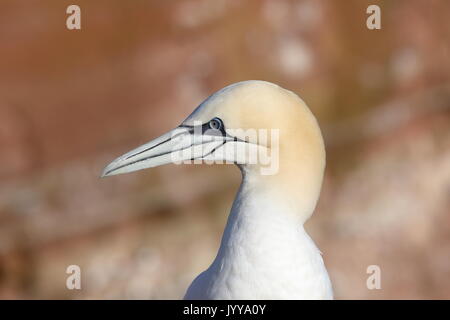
{"x":216,"y":124}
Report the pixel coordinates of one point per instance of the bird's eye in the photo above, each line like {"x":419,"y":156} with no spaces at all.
{"x":215,"y":124}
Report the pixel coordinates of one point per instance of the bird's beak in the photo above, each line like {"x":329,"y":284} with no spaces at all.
{"x":176,"y":146}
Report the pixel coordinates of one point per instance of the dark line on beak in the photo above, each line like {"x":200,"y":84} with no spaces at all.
{"x":191,"y":130}
{"x":213,"y":150}
{"x":159,"y":155}
{"x":156,"y":145}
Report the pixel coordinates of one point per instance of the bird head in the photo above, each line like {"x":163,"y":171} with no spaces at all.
{"x":249,"y":123}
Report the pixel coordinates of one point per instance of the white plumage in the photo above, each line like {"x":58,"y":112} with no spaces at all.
{"x":265,"y":253}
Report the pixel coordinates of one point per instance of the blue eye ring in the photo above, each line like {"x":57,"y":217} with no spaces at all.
{"x":216,"y":124}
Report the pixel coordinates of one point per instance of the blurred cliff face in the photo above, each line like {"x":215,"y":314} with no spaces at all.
{"x":72,"y":100}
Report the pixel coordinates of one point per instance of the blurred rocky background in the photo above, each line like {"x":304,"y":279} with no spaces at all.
{"x":71,"y":101}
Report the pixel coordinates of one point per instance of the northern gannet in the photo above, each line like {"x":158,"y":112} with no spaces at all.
{"x":265,"y":253}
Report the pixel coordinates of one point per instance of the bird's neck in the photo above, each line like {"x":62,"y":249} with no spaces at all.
{"x":256,"y":217}
{"x":260,"y":214}
{"x":264,"y":243}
